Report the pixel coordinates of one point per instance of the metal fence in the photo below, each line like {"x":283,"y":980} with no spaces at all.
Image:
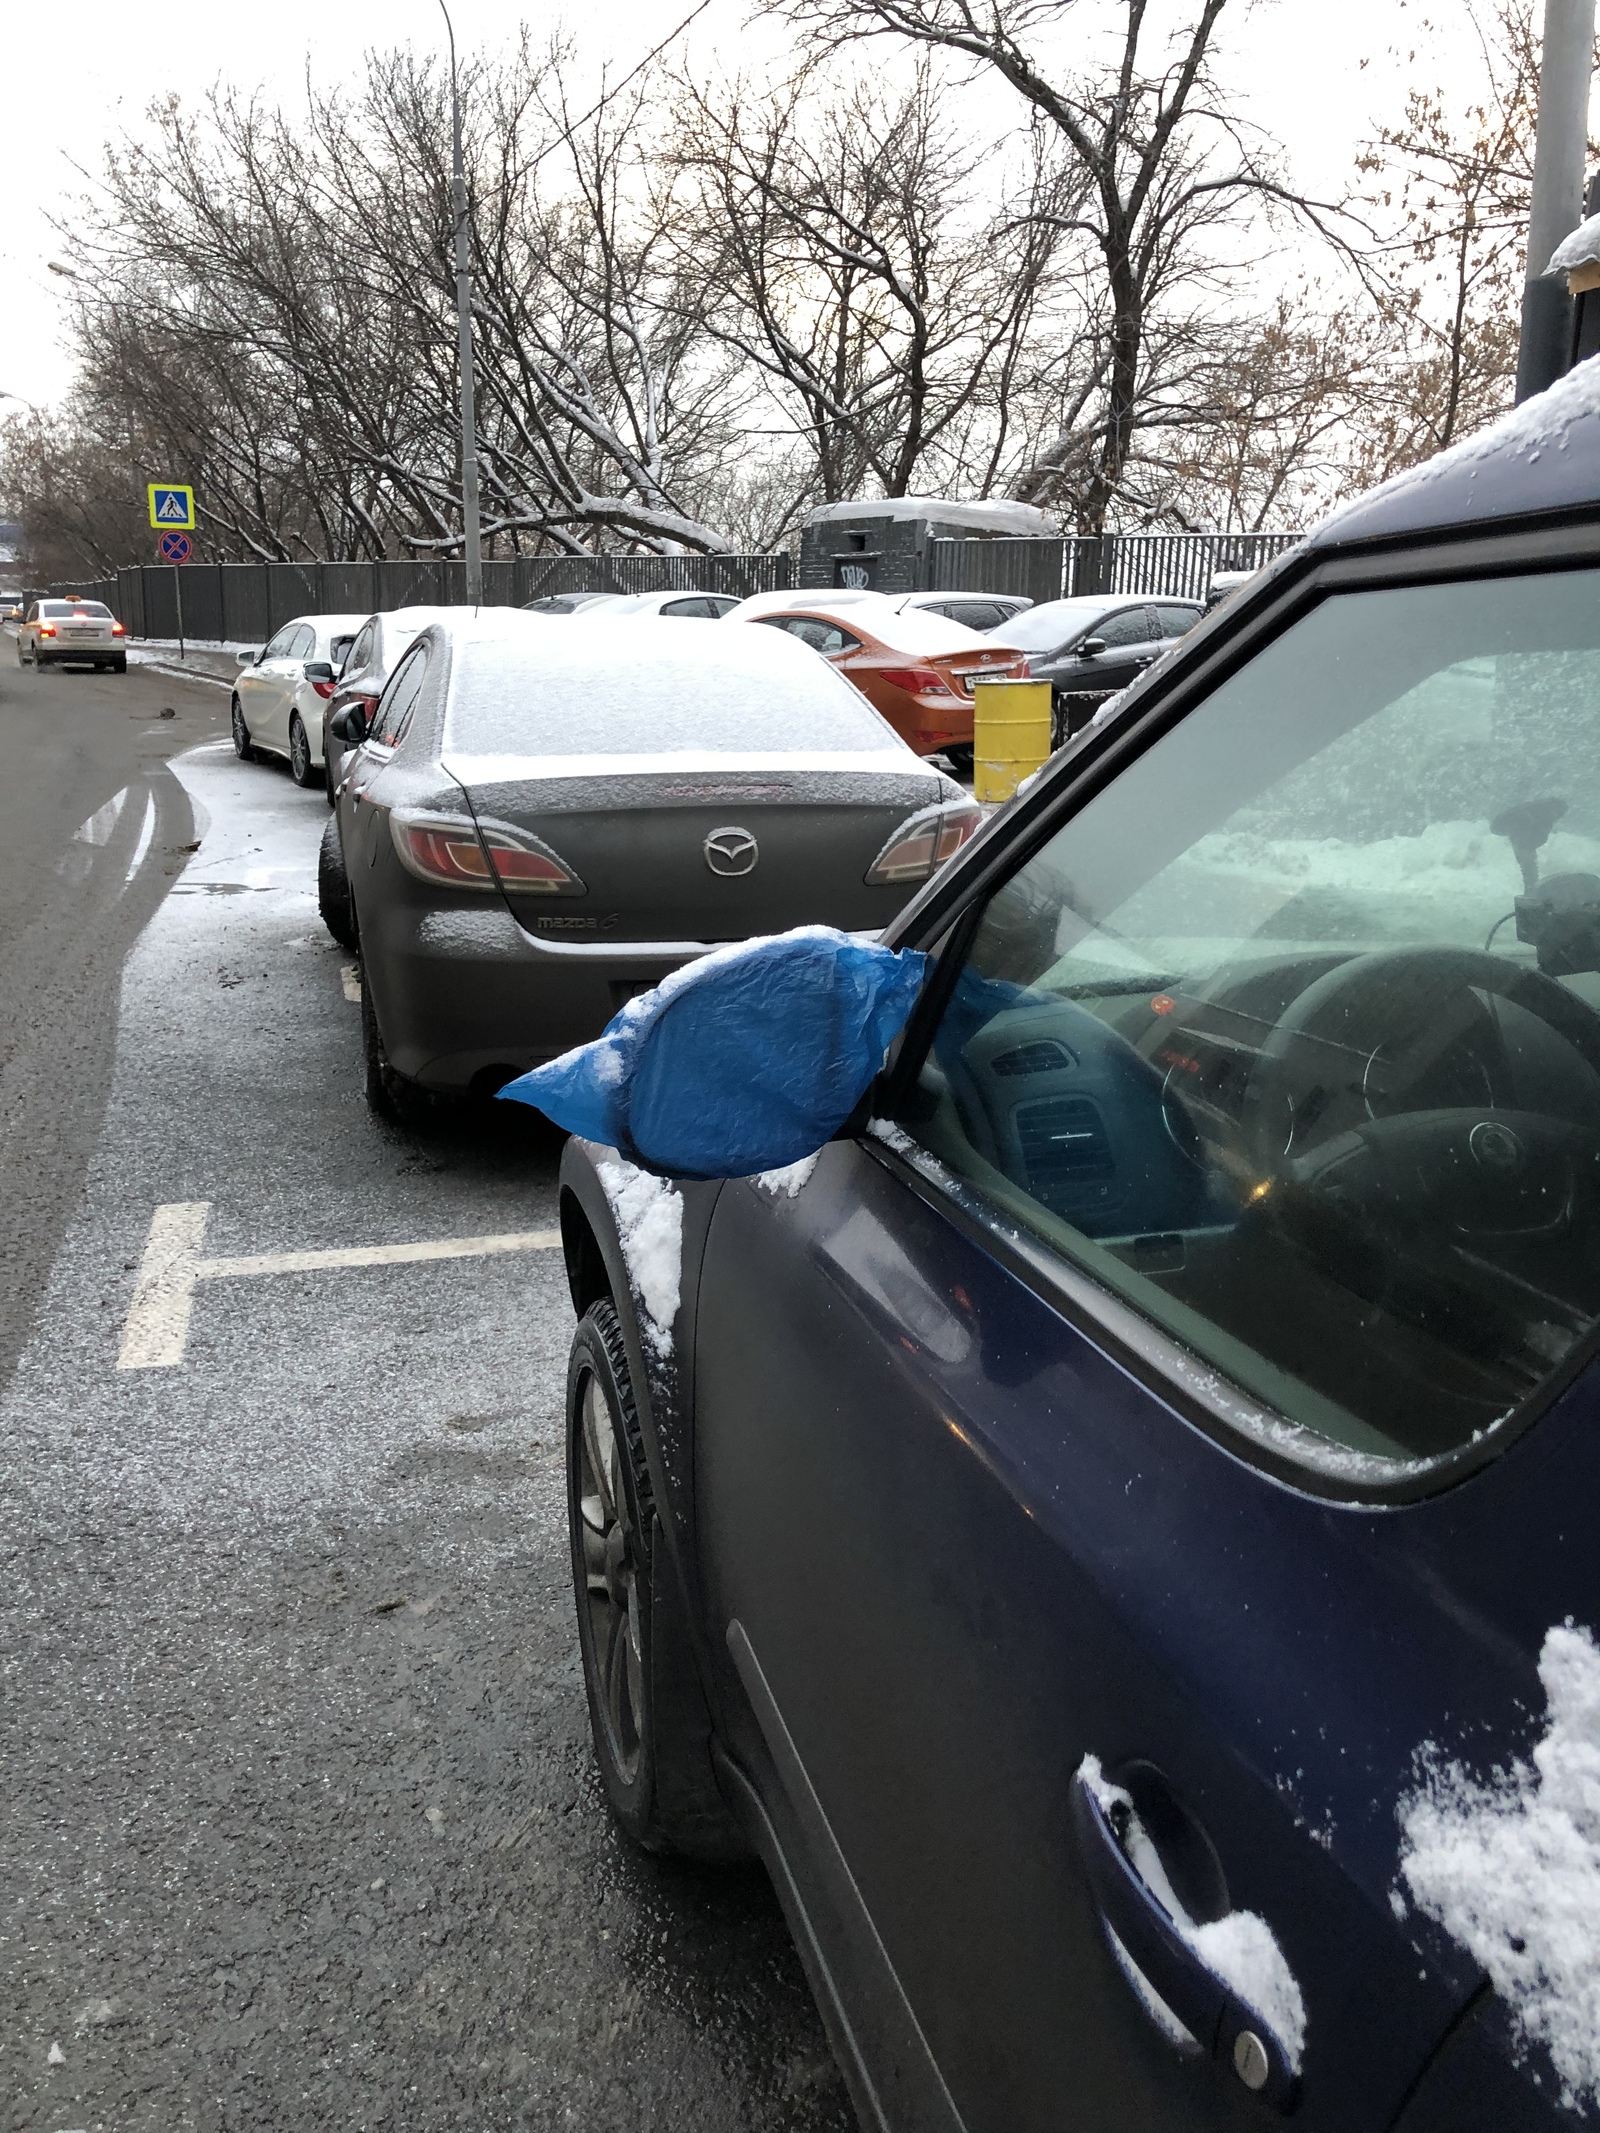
{"x":1179,"y":564}
{"x":243,"y":603}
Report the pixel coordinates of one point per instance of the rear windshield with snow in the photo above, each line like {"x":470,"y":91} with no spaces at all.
{"x":1291,"y":1035}
{"x":555,"y":691}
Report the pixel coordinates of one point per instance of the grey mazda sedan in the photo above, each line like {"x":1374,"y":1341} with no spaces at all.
{"x":538,"y":824}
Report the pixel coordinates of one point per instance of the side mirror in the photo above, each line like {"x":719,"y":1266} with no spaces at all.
{"x":248,"y":659}
{"x":318,"y":670}
{"x":1091,"y":647}
{"x":349,"y":725}
{"x":745,"y":1062}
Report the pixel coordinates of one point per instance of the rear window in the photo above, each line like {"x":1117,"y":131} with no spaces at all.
{"x":555,"y":693}
{"x":54,"y":610}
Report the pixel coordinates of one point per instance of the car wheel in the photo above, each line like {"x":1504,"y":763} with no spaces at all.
{"x":119,"y":666}
{"x":392,"y":1096}
{"x":241,"y":735}
{"x":330,"y":773}
{"x":301,"y":767}
{"x":333,"y":887}
{"x":647,"y":1713}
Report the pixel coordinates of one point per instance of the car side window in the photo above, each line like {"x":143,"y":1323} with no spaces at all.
{"x":338,"y":652}
{"x":303,"y":644}
{"x":1173,"y":621}
{"x":699,"y":609}
{"x":399,"y":697}
{"x":278,"y":646}
{"x":361,"y":650}
{"x":1290,"y":1036}
{"x":1130,"y":626}
{"x":824,"y":637}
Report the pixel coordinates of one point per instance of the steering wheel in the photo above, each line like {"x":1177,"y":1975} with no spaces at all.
{"x":1365,"y":1097}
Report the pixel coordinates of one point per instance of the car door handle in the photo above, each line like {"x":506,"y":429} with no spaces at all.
{"x":1221,"y":2023}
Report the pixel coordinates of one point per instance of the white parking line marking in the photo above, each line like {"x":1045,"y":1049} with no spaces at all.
{"x":350,"y":979}
{"x":156,"y":1330}
{"x":157,"y":1326}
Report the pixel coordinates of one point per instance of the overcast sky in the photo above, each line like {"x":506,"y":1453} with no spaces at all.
{"x":1298,"y":62}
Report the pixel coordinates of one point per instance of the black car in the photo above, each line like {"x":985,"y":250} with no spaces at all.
{"x":1114,"y":1531}
{"x":541,"y":823}
{"x":1090,"y":647}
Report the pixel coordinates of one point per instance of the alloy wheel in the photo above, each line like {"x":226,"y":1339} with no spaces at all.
{"x":241,"y":732}
{"x":299,"y":753}
{"x":611,"y":1578}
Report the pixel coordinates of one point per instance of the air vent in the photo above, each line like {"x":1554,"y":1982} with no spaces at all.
{"x":1065,"y":1151}
{"x":1045,"y":1057}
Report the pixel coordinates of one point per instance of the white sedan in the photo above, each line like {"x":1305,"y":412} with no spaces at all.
{"x":280,"y":691}
{"x":85,"y":632}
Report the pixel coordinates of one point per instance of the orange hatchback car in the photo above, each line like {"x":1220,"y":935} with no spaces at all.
{"x":916,"y":668}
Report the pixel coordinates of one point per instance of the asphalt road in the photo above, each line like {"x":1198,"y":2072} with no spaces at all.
{"x":300,"y":1825}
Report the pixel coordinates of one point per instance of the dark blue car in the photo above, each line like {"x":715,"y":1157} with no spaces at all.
{"x":1119,"y":1533}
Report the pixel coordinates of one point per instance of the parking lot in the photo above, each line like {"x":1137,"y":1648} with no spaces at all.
{"x":302,"y":1823}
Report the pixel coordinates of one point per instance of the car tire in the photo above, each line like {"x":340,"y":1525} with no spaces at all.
{"x":301,"y":768}
{"x":243,"y":747}
{"x":333,"y":887}
{"x":119,"y":666}
{"x":389,"y":1095}
{"x":647,"y":1711}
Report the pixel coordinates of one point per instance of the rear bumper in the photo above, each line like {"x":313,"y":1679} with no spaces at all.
{"x":459,"y":994}
{"x":61,"y":655}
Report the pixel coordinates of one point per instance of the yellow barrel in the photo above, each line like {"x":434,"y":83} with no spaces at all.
{"x":1010,"y":735}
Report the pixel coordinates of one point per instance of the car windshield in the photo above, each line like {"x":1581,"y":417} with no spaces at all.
{"x":1292,"y":1032}
{"x":1041,"y":629}
{"x":724,"y":692}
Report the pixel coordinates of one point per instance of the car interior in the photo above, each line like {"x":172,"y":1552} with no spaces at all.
{"x":1292,"y":1035}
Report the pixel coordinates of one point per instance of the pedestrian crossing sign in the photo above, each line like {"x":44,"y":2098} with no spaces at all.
{"x":172,"y":506}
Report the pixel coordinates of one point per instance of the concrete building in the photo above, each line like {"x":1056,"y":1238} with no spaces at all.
{"x":885,"y":544}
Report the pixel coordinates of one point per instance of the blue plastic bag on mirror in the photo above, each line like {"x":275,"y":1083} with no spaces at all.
{"x":745,"y":1060}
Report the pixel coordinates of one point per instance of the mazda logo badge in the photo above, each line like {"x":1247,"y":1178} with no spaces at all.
{"x":731,"y":852}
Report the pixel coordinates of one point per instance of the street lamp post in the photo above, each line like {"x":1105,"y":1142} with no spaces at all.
{"x":469,"y":424}
{"x":1559,"y":146}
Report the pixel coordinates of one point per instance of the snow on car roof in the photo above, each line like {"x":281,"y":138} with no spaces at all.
{"x":902,"y":629}
{"x":659,"y":688}
{"x":1543,"y":456}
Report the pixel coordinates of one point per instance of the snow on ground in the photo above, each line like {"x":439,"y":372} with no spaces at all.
{"x":649,"y":1214}
{"x":1510,"y":1865}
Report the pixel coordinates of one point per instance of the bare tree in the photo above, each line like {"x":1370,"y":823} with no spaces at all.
{"x":1155,"y":165}
{"x":841,"y":258}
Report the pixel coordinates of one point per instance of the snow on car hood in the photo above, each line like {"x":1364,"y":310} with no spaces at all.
{"x":1509,"y":1865}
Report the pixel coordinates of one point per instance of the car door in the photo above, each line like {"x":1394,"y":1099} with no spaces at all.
{"x":263,"y":689}
{"x":1132,"y":1406}
{"x":1125,"y":641}
{"x":364,"y":821}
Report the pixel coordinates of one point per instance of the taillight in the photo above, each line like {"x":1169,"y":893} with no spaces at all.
{"x":916,"y":681}
{"x":924,"y":842}
{"x":462,"y":854}
{"x":324,"y":688}
{"x":117,"y":630}
{"x":47,"y":629}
